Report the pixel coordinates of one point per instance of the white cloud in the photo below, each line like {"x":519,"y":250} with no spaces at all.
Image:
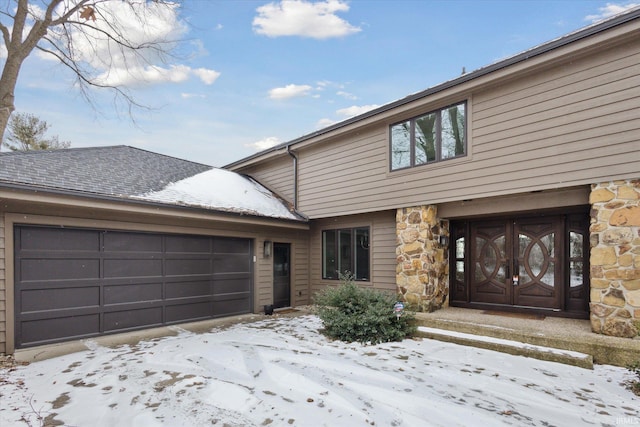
{"x":355,"y":110}
{"x":146,"y":24}
{"x":185,"y":95}
{"x":609,"y":10}
{"x":143,"y":75}
{"x":289,"y":91}
{"x":346,"y":113}
{"x":302,"y":18}
{"x":323,"y":123}
{"x":206,"y":75}
{"x":263,"y":144}
{"x":346,"y":95}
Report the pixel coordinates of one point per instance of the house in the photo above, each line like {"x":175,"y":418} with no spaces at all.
{"x":515,"y":187}
{"x":103,"y":240}
{"x":512,"y":187}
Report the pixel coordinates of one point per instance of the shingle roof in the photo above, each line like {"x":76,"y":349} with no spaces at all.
{"x":119,"y":171}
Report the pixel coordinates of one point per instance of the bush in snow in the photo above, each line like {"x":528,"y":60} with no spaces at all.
{"x":351,"y":313}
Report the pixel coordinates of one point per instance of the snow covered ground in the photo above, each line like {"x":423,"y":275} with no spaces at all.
{"x":280,"y":371}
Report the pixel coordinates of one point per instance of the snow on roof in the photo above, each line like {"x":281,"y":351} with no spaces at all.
{"x":220,"y":189}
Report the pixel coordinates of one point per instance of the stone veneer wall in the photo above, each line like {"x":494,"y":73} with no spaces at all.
{"x":615,"y":258}
{"x":422,"y":268}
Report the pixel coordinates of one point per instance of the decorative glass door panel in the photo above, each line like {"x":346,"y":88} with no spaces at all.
{"x":489,"y":264}
{"x":538,"y":276}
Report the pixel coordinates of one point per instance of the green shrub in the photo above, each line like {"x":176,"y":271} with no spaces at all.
{"x":351,"y":313}
{"x":634,"y":385}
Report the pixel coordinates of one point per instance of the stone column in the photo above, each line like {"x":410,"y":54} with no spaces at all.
{"x":615,"y":258}
{"x":422,"y":268}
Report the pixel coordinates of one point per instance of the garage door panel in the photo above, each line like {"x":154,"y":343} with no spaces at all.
{"x":37,"y":300}
{"x":183,"y":267}
{"x":57,"y":269}
{"x":230,"y":245}
{"x":132,"y":319}
{"x":115,"y":241}
{"x":230,"y":263}
{"x":188,"y":312}
{"x":132,"y":267}
{"x":184,"y":289}
{"x":229,"y":305}
{"x":232,"y":284}
{"x":112,"y":281}
{"x":126,"y":293}
{"x":188,"y":244}
{"x":44,"y":331}
{"x":58,"y":240}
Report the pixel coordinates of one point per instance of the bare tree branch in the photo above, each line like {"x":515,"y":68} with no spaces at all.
{"x":99,"y":50}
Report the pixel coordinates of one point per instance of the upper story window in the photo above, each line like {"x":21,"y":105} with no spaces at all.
{"x":433,"y":137}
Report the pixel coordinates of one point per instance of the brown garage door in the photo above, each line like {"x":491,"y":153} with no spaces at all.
{"x":77,"y":283}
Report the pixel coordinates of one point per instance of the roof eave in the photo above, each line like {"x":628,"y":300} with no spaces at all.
{"x":131,"y":201}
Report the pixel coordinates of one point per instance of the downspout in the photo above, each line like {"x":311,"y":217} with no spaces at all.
{"x":295,"y":176}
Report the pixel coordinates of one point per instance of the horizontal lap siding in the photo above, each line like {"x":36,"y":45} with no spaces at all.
{"x":573,"y":124}
{"x":383,"y":248}
{"x":300,"y":271}
{"x":277,"y":175}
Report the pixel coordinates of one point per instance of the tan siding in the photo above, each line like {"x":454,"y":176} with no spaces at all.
{"x":383,"y":248}
{"x":277,"y":175}
{"x":300,"y":271}
{"x":570,"y":125}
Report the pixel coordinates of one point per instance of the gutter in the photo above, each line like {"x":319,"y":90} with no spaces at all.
{"x":294,"y":156}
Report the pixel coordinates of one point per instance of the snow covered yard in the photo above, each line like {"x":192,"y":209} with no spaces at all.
{"x":282,"y":371}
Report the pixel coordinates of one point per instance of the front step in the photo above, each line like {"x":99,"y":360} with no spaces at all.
{"x":563,"y":335}
{"x":517,"y":348}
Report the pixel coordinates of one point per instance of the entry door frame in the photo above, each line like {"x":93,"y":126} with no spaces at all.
{"x":572,"y":298}
{"x":281,"y":275}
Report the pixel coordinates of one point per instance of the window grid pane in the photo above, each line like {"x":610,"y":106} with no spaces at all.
{"x":453,"y":136}
{"x":401,"y":145}
{"x":329,"y":255}
{"x":361,"y":270}
{"x":425,"y":139}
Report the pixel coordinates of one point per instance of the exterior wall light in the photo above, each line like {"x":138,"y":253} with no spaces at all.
{"x":268,"y":245}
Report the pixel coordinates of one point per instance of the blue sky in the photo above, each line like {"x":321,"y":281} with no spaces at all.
{"x":250,"y":73}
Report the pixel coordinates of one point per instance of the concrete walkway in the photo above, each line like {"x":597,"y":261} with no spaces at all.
{"x":571,"y":335}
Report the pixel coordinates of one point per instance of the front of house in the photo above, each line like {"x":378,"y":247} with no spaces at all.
{"x":515,"y":187}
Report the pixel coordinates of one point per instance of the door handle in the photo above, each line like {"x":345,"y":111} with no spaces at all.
{"x":516,"y":273}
